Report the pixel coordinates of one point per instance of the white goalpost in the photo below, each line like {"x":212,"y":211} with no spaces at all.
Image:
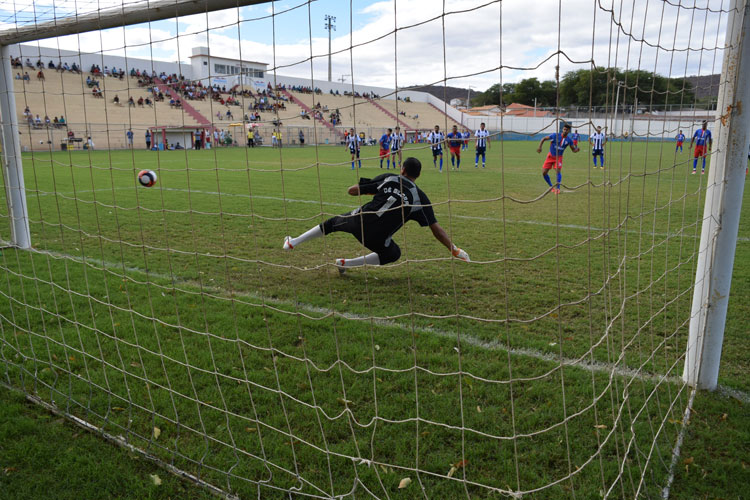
{"x":157,"y":153}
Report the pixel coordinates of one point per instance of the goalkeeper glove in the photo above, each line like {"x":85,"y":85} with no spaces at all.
{"x":460,"y":254}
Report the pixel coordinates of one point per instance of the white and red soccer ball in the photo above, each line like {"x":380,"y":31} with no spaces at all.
{"x":147,"y":178}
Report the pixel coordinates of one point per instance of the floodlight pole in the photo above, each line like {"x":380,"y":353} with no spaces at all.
{"x":721,"y":213}
{"x":329,"y":26}
{"x":15,"y":190}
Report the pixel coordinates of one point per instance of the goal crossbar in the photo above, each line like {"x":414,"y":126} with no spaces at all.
{"x":125,"y":15}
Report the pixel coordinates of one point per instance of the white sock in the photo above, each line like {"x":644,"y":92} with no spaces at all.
{"x":315,"y":232}
{"x":371,"y":259}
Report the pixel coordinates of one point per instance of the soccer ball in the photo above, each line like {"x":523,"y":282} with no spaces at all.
{"x":147,"y":178}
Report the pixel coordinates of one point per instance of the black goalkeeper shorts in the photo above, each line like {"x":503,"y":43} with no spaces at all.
{"x":382,"y":244}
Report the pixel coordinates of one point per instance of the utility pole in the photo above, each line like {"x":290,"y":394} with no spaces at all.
{"x":329,"y":26}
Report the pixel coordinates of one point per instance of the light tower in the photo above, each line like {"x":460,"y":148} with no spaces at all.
{"x":329,"y":26}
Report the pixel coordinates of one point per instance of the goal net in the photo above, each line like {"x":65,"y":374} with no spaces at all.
{"x":170,"y":320}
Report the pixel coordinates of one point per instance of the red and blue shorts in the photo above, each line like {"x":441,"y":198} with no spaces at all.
{"x":384,"y":152}
{"x":699,"y":151}
{"x":679,"y":144}
{"x":456,"y":150}
{"x":552,"y":162}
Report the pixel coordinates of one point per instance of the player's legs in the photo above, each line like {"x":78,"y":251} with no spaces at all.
{"x":559,"y":177}
{"x":545,"y":174}
{"x":601,"y":159}
{"x":441,"y":160}
{"x":380,"y":256}
{"x":697,"y":154}
{"x":352,"y":160}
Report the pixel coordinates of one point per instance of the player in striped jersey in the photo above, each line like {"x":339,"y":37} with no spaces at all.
{"x":597,"y":141}
{"x":397,"y":142}
{"x":353,"y":142}
{"x":554,"y":158}
{"x":702,"y":138}
{"x":483,"y":141}
{"x":436,"y":139}
{"x":455,"y":141}
{"x":680,"y":139}
{"x":385,"y":149}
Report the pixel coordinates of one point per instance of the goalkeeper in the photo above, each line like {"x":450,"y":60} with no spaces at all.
{"x":397,"y":199}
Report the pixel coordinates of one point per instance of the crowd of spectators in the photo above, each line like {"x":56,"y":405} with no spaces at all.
{"x":36,"y":122}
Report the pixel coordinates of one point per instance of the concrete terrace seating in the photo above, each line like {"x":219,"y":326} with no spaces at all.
{"x":428,"y":115}
{"x":68,"y":95}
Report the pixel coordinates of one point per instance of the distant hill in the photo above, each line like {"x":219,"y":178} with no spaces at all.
{"x":444,"y":93}
{"x":705,"y":86}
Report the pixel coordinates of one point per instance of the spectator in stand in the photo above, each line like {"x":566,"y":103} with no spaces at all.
{"x":26,"y":77}
{"x":131,"y":102}
{"x":116,"y":100}
{"x":62,"y":121}
{"x":18,"y":76}
{"x":51,"y":65}
{"x":140,"y":101}
{"x":56,"y":123}
{"x":47,"y":121}
{"x":40,"y":75}
{"x":37,"y":121}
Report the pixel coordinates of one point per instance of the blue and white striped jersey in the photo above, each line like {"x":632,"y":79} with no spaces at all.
{"x":482,"y":136}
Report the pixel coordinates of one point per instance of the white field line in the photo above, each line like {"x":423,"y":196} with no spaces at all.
{"x":743,"y":239}
{"x":678,"y":446}
{"x":590,"y":366}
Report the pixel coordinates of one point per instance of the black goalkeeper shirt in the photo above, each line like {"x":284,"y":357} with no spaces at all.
{"x":396,"y":200}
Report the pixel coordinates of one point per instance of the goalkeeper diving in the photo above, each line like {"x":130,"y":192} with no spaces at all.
{"x":396,"y":200}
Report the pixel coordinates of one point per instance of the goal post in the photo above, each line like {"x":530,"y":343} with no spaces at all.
{"x":721,"y":214}
{"x":15,"y":187}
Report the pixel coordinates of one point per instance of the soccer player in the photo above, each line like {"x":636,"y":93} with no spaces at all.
{"x":455,"y":141}
{"x":702,"y":138}
{"x":385,"y":148}
{"x":575,"y":136}
{"x":554,"y":158}
{"x":483,"y":140}
{"x":436,"y":139}
{"x":397,"y":142}
{"x":353,"y":142}
{"x":597,"y":140}
{"x":466,"y":139}
{"x":396,"y":200}
{"x":680,"y":139}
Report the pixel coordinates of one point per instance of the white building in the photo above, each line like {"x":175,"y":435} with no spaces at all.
{"x":223,"y":71}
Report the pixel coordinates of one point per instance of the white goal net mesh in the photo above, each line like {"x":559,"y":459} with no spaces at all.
{"x":169,"y":317}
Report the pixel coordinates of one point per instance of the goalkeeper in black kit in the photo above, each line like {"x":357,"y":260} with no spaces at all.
{"x":396,"y":200}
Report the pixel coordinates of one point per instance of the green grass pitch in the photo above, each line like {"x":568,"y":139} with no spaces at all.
{"x":537,"y":367}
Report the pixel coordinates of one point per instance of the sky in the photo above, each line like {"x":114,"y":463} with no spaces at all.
{"x":389,"y":43}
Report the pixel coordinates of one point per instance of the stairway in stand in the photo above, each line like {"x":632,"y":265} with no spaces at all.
{"x":388,"y":113}
{"x":191,"y":111}
{"x":450,"y":118}
{"x":310,"y":112}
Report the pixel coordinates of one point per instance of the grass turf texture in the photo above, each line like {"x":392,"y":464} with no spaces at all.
{"x":188,"y":317}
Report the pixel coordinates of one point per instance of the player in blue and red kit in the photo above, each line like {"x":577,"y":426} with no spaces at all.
{"x":385,"y":149}
{"x":702,"y":138}
{"x":680,"y":139}
{"x":455,"y":141}
{"x":575,"y":136}
{"x":554,"y":158}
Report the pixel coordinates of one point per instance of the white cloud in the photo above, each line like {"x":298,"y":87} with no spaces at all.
{"x":478,"y":37}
